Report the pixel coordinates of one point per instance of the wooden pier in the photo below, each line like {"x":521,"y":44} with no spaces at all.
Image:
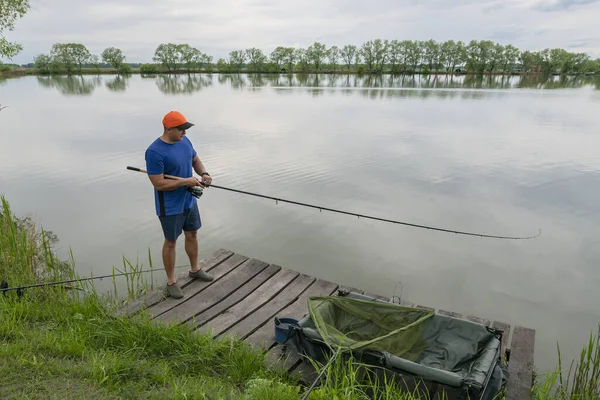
{"x":246,"y":294}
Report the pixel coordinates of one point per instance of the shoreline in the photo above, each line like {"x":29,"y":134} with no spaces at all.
{"x":16,"y":72}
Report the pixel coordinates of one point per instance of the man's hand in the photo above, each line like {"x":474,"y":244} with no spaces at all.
{"x":206,"y":179}
{"x":192,"y":181}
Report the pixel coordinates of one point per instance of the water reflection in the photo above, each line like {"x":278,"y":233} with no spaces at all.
{"x":182,"y":84}
{"x":118,"y":84}
{"x":71,"y":85}
{"x":317,"y":84}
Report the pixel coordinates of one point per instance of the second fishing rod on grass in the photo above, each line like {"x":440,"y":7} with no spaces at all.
{"x":197,"y":192}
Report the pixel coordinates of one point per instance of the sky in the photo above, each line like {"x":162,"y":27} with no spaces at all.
{"x":217,"y":27}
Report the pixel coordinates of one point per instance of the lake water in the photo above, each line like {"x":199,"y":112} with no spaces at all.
{"x":500,"y":156}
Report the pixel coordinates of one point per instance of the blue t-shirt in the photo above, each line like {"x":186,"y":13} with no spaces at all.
{"x":171,"y":159}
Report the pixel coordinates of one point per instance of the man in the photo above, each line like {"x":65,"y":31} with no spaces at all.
{"x":177,"y":209}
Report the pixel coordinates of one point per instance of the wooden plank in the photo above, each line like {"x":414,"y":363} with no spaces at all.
{"x":377,"y":296}
{"x":265,"y":313}
{"x":482,"y":321}
{"x":198,"y":285}
{"x":217,"y":322}
{"x":214,"y":293}
{"x":238,"y":297}
{"x":158,"y":295}
{"x":520,"y":367}
{"x":426,"y":307}
{"x":350,"y":289}
{"x":505,"y":335}
{"x":450,"y":314}
{"x":265,"y":336}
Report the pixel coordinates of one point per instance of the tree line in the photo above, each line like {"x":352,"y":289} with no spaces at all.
{"x":372,"y":57}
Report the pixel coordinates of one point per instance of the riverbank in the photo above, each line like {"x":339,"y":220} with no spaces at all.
{"x":68,"y":344}
{"x":157,"y":71}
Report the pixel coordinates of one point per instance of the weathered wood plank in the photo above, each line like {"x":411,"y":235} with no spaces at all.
{"x":349,"y":289}
{"x":479,"y":320}
{"x":265,"y":313}
{"x":158,"y":295}
{"x":450,"y":314}
{"x":264,"y":337}
{"x":197,"y":285}
{"x":426,"y":307}
{"x":377,"y":296}
{"x":238,"y":297}
{"x":214,"y":293}
{"x":505,"y":335}
{"x":520,"y":366}
{"x":210,"y":320}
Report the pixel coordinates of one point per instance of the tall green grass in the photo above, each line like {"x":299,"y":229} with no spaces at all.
{"x":580,"y":382}
{"x":57,"y":343}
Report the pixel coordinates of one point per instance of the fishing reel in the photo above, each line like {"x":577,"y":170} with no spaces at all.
{"x":196,"y":191}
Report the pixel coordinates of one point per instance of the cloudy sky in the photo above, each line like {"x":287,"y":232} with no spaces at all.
{"x":219,"y":26}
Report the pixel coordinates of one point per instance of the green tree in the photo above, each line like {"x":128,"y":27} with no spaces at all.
{"x":113,"y":57}
{"x":316,"y":53}
{"x":348,"y":55}
{"x":95,"y":62}
{"x":367,"y":51}
{"x":301,"y":55}
{"x":63,"y":54}
{"x":81,"y":55}
{"x":431,"y":54}
{"x":289,"y":58}
{"x":528,"y":61}
{"x":191,"y":57}
{"x":496,"y":56}
{"x":511,"y":54}
{"x":256,"y":59}
{"x":10,"y":11}
{"x":381,"y":54}
{"x":222,"y":66}
{"x":237,"y":58}
{"x":278,"y":56}
{"x":42,"y":63}
{"x":334,"y":55}
{"x":168,"y":55}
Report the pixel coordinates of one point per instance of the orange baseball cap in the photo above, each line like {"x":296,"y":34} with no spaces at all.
{"x":175,"y":119}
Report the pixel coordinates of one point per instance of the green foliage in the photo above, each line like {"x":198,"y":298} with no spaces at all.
{"x":148,"y":69}
{"x":256,"y":59}
{"x":580,"y":383}
{"x":10,"y":11}
{"x":71,"y":56}
{"x":113,"y":57}
{"x":223,"y":66}
{"x":316,"y":54}
{"x":237,"y":58}
{"x":175,"y":56}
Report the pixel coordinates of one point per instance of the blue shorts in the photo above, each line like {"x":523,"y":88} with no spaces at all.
{"x":173,"y":225}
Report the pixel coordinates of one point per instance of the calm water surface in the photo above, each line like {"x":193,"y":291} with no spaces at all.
{"x":500,"y":156}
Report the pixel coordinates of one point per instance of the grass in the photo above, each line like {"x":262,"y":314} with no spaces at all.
{"x":582,"y":380}
{"x":60,"y":343}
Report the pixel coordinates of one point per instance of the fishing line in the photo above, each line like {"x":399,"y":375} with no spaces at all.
{"x":320,"y":208}
{"x":4,"y":286}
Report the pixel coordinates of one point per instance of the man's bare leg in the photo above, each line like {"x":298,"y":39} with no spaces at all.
{"x":191,"y":248}
{"x":168,"y":255}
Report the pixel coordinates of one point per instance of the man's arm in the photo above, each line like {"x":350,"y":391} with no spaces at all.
{"x":164,"y":185}
{"x":155,"y":168}
{"x":198,"y":166}
{"x":200,"y":169}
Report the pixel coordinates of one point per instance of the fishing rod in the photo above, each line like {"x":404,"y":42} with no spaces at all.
{"x":198,"y":192}
{"x":5,"y":288}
